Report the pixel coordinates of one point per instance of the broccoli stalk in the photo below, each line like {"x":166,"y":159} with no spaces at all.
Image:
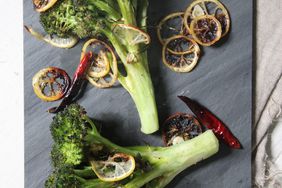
{"x":88,"y":18}
{"x":77,"y":141}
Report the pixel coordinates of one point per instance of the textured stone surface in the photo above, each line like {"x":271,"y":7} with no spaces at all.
{"x":221,"y":81}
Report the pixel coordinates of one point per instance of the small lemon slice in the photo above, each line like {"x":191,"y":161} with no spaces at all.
{"x":198,"y":11}
{"x":43,"y":5}
{"x":130,"y":35}
{"x":115,"y":168}
{"x":206,"y":30}
{"x":54,"y":40}
{"x":214,"y":8}
{"x":170,"y":26}
{"x":50,"y":84}
{"x":100,"y":67}
{"x":104,"y":71}
{"x":182,"y":58}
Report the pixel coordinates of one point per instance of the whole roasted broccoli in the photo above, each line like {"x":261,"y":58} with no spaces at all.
{"x":91,"y":18}
{"x":77,"y":142}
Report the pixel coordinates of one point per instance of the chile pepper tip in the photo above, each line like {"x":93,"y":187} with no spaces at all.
{"x":237,"y":145}
{"x":185,"y":99}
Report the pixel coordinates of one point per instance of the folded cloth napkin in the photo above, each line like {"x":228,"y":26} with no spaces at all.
{"x":267,"y":129}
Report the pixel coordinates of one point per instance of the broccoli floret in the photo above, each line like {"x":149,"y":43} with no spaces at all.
{"x":65,"y":19}
{"x":66,"y":177}
{"x":69,"y":137}
{"x":91,"y":18}
{"x":67,"y":153}
{"x":77,"y":142}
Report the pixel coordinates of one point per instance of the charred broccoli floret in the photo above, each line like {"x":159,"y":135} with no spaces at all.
{"x":77,"y":142}
{"x":91,"y":18}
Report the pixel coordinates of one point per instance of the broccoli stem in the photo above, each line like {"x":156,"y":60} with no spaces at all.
{"x":96,"y":183}
{"x":138,"y":80}
{"x":166,"y":162}
{"x":172,"y":160}
{"x":139,"y":85}
{"x":142,"y":14}
{"x":142,"y":179}
{"x":85,"y":173}
{"x":127,"y":11}
{"x":93,"y":138}
{"x":106,"y":7}
{"x":162,"y":181}
{"x":156,"y":166}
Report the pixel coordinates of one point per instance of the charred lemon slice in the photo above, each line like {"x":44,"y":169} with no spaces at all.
{"x":100,"y":66}
{"x":50,"y":84}
{"x":207,"y":7}
{"x":180,"y":127}
{"x":198,"y":11}
{"x":183,"y":54}
{"x":206,"y":30}
{"x":130,"y":35}
{"x":170,"y":26}
{"x":115,"y":168}
{"x":53,"y":40}
{"x":43,"y":5}
{"x":104,"y":71}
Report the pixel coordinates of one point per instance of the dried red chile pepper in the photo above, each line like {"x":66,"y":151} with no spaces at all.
{"x":77,"y":82}
{"x":206,"y":118}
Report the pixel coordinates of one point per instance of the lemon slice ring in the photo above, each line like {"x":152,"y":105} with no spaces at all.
{"x":137,"y":36}
{"x":179,"y":61}
{"x":179,"y":45}
{"x":207,"y":7}
{"x":100,"y":67}
{"x":50,"y":84}
{"x":167,"y":23}
{"x":54,"y":40}
{"x":43,"y":5}
{"x":104,"y":71}
{"x":206,"y":30}
{"x":115,"y":168}
{"x":180,"y":127}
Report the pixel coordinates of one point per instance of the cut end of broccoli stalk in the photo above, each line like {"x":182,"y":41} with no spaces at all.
{"x":170,"y":161}
{"x":192,"y":151}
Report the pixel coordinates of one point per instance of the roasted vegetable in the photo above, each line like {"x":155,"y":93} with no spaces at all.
{"x":77,"y":143}
{"x":50,"y":84}
{"x":54,"y":40}
{"x":210,"y":121}
{"x":207,"y":21}
{"x":43,"y":5}
{"x":180,"y":127}
{"x":180,"y":53}
{"x":112,"y":19}
{"x":77,"y":82}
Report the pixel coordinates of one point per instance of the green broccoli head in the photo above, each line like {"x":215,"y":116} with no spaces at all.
{"x":64,"y":177}
{"x":50,"y":181}
{"x":69,"y":130}
{"x":65,"y":19}
{"x":67,"y":154}
{"x":69,"y":125}
{"x":78,"y":143}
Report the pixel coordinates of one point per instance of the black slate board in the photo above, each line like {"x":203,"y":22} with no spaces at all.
{"x":221,"y":81}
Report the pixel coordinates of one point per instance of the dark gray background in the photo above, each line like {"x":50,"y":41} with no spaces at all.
{"x":221,"y":82}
